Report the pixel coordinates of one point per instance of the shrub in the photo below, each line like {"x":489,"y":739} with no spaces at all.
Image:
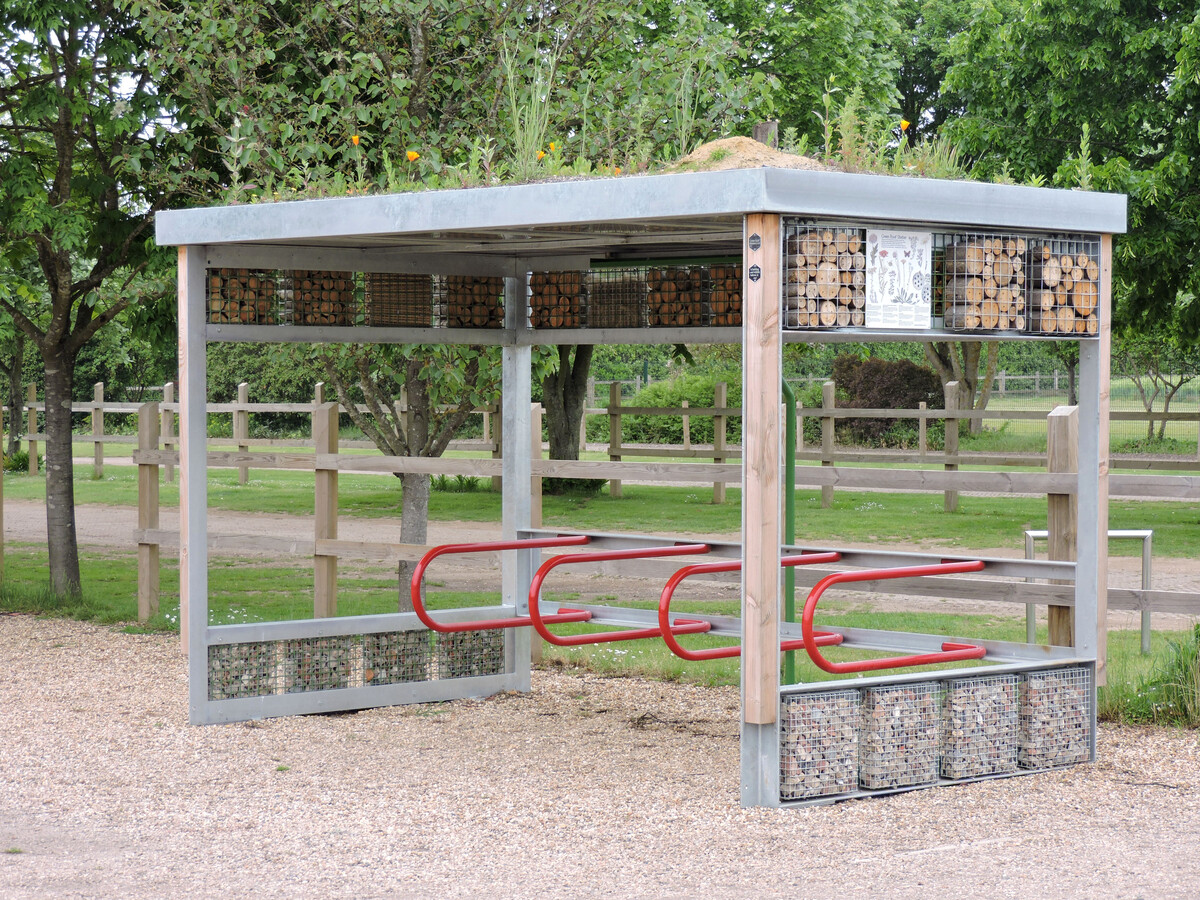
{"x":697,"y":390}
{"x":1171,"y":695}
{"x":19,"y":461}
{"x":875,"y":383}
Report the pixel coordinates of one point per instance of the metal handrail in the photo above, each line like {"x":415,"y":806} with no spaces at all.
{"x":418,"y":577}
{"x":683,"y":626}
{"x":950,"y":651}
{"x":823,"y":638}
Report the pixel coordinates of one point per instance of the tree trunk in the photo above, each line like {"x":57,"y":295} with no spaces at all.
{"x":564,"y":392}
{"x":414,"y":526}
{"x":989,"y":378}
{"x":60,"y":485}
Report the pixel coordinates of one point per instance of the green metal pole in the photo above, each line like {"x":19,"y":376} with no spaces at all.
{"x":789,"y":523}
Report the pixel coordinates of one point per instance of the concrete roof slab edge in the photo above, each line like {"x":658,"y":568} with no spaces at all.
{"x":630,"y":199}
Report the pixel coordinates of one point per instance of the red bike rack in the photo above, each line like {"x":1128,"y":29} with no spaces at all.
{"x":949,"y":653}
{"x":418,"y":579}
{"x":823,"y":638}
{"x":540,"y":621}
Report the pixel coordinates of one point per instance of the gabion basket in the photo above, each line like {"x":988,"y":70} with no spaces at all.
{"x":398,"y":300}
{"x":979,"y":726}
{"x":316,"y":664}
{"x":465,"y":654}
{"x":677,"y":296}
{"x":323,"y":298}
{"x":1055,"y":718}
{"x":395,"y":657}
{"x":899,"y":742}
{"x":241,"y":670}
{"x":242,"y":297}
{"x":1064,"y":278}
{"x":616,"y":298}
{"x":825,"y":276}
{"x":474,"y":301}
{"x":818,"y":754}
{"x":558,"y":299}
{"x":981,"y":281}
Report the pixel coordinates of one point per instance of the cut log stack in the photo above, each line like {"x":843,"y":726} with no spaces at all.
{"x":616,"y":298}
{"x":323,"y":298}
{"x":985,"y":283}
{"x":675,"y":296}
{"x":397,"y":300}
{"x":1066,"y":288}
{"x":726,"y":300}
{"x":474,"y":301}
{"x":825,"y":278}
{"x":241,"y":296}
{"x":557,"y":299}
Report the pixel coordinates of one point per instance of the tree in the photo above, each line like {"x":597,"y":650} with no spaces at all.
{"x":1159,"y":363}
{"x":13,"y":351}
{"x":564,"y":393}
{"x":78,"y":136}
{"x":1047,"y":83}
{"x":927,"y":26}
{"x":960,"y":362}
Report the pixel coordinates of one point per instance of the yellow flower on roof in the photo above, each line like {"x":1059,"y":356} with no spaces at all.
{"x":413,"y":155}
{"x":354,"y":139}
{"x":552,"y":146}
{"x":904,"y":123}
{"x":541,"y":155}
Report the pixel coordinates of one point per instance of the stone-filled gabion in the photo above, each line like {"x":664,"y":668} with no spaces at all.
{"x":979,"y":726}
{"x":316,"y":664}
{"x":394,"y":657}
{"x":1055,"y":718}
{"x":899,"y":742}
{"x":463,"y":654}
{"x":818,"y":754}
{"x":241,"y":670}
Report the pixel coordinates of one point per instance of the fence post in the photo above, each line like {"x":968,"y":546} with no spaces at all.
{"x":31,"y":420}
{"x":922,"y":431}
{"x":148,"y":550}
{"x":167,"y":427}
{"x":828,"y":400}
{"x":720,"y":401}
{"x":535,"y":481}
{"x":614,"y":435}
{"x":687,"y":428}
{"x":241,"y":428}
{"x":951,"y":441}
{"x":799,"y":425}
{"x":98,"y":430}
{"x":1062,"y":511}
{"x":1003,"y":381}
{"x":498,"y":446}
{"x":325,"y":441}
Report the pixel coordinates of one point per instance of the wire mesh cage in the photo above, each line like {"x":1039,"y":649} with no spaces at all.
{"x":323,"y":298}
{"x":398,"y":300}
{"x":464,"y":654}
{"x":242,"y":297}
{"x":898,"y":746}
{"x":558,"y":299}
{"x":241,"y":670}
{"x":981,"y":281}
{"x":616,"y":298}
{"x":979,"y":726}
{"x":725,"y":301}
{"x":316,"y":664}
{"x":1064,"y":278}
{"x":825,"y":276}
{"x":818,"y":753}
{"x":1055,"y":718}
{"x":474,"y":301}
{"x":677,"y":296}
{"x":394,"y":657}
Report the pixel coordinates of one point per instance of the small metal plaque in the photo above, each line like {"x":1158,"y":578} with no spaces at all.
{"x":755,"y":273}
{"x":755,"y":242}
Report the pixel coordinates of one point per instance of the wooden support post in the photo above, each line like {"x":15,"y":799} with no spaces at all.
{"x":148,"y":551}
{"x":720,"y":401}
{"x":799,"y":425}
{"x":828,"y":400}
{"x":687,"y":428}
{"x":98,"y":430}
{"x":30,"y":399}
{"x":1062,"y":514}
{"x":922,"y":431}
{"x":325,"y":439}
{"x":241,"y":428}
{"x":535,"y":481}
{"x":318,"y":394}
{"x":193,"y":471}
{"x":762,"y":434}
{"x":167,"y":427}
{"x":614,"y":434}
{"x":951,"y":441}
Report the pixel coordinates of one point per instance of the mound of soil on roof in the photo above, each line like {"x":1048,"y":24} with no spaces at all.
{"x":743,"y":153}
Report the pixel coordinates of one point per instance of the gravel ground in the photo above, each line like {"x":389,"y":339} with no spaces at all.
{"x":584,"y":787}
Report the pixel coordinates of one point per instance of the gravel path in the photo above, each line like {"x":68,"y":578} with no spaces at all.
{"x":585,"y":787}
